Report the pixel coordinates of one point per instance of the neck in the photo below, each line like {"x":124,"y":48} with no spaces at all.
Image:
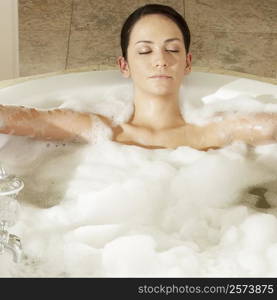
{"x":157,"y":112}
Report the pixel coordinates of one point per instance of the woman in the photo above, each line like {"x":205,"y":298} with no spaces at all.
{"x":155,"y":42}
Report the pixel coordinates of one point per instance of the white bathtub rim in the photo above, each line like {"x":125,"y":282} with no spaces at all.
{"x":235,"y":74}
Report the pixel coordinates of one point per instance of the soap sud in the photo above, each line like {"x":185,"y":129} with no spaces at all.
{"x":99,"y":131}
{"x":107,"y":209}
{"x":128,"y":211}
{"x":114,"y":103}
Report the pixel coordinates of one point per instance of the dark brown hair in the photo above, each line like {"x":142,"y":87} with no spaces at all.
{"x":151,"y":9}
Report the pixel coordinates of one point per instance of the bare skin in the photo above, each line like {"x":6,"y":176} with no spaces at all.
{"x":72,"y":126}
{"x":253,"y":129}
{"x":156,"y":47}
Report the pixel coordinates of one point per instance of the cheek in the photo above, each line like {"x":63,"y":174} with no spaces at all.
{"x":181,"y":71}
{"x":138,"y":70}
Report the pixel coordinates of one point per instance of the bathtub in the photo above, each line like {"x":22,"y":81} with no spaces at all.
{"x":113,"y":210}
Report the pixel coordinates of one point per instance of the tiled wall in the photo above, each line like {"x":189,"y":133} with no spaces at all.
{"x":237,"y":35}
{"x":44,"y":31}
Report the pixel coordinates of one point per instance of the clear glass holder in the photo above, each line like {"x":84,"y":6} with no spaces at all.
{"x":9,"y":212}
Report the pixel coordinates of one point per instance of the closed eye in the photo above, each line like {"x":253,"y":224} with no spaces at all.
{"x":144,"y":52}
{"x":165,"y":50}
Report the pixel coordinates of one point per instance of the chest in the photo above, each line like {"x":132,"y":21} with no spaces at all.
{"x":197,"y":137}
{"x":169,"y":138}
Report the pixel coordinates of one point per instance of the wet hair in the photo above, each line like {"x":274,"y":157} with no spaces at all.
{"x":150,"y":9}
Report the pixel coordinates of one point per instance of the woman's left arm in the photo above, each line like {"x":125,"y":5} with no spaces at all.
{"x":252,"y":128}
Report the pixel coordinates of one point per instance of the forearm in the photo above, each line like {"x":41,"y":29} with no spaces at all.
{"x":65,"y":125}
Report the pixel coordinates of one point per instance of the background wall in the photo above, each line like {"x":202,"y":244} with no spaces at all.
{"x":237,"y":35}
{"x":9,"y":39}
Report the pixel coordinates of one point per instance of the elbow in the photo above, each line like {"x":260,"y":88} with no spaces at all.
{"x":261,"y":138}
{"x":263,"y":134}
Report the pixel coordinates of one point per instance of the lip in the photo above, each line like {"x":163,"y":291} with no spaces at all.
{"x":161,"y":76}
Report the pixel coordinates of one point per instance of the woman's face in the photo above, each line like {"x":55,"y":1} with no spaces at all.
{"x":156,"y":47}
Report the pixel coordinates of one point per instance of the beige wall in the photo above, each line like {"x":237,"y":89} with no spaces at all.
{"x":237,"y":35}
{"x":9,"y":39}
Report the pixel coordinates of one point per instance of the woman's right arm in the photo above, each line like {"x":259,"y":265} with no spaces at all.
{"x":56,"y":124}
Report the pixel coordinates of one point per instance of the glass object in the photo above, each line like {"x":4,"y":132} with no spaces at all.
{"x":10,"y":186}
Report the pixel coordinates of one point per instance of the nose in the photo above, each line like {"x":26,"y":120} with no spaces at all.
{"x":160,"y":60}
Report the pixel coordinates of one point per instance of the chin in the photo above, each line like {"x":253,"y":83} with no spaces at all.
{"x":163,"y":91}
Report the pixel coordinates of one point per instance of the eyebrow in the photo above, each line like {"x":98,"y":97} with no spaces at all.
{"x":166,"y":41}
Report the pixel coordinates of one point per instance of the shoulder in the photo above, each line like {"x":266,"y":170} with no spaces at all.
{"x":212,"y":135}
{"x":116,"y":129}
